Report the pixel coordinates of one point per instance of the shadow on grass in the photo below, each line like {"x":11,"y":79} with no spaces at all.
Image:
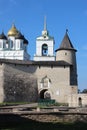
{"x":16,"y":122}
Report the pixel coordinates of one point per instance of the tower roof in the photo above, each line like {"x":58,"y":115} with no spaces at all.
{"x":2,"y":36}
{"x":25,"y":41}
{"x":19,"y":36}
{"x":45,"y":33}
{"x":13,"y":31}
{"x":66,"y":43}
{"x":45,"y":24}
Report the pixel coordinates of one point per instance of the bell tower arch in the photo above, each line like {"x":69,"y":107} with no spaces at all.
{"x":44,"y":46}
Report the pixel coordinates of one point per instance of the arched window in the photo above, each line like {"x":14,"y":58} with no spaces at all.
{"x":44,"y":49}
{"x":0,"y":44}
{"x":21,"y":45}
{"x":45,"y":82}
{"x":80,"y":101}
{"x":4,"y":45}
{"x":11,"y":42}
{"x":18,"y":45}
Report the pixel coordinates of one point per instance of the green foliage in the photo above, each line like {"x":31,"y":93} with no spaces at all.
{"x":45,"y":102}
{"x":84,"y":91}
{"x":48,"y":103}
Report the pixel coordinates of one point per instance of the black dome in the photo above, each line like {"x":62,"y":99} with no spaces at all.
{"x":19,"y":36}
{"x":2,"y":36}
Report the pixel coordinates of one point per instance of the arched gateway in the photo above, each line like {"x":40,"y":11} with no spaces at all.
{"x":44,"y":94}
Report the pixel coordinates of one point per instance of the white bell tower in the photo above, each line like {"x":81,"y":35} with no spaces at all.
{"x":44,"y":46}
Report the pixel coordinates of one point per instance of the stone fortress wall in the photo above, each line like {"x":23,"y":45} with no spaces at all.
{"x":24,"y":82}
{"x":17,"y":85}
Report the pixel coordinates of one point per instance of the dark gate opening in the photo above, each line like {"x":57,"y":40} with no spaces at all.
{"x":42,"y":93}
{"x":80,"y":101}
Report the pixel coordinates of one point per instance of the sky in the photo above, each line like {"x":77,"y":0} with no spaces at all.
{"x":28,"y":17}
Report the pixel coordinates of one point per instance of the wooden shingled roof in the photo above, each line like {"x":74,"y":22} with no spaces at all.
{"x":66,"y":44}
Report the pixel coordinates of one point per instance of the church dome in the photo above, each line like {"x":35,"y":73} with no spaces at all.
{"x":19,"y":36}
{"x":13,"y":31}
{"x":2,"y":36}
{"x":25,"y":41}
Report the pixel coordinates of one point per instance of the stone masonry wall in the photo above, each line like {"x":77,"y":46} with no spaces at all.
{"x":77,"y":100}
{"x":59,"y":85}
{"x":1,"y":83}
{"x":19,"y":85}
{"x":23,"y":82}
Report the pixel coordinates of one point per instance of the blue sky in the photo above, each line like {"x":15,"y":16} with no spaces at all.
{"x":28,"y":16}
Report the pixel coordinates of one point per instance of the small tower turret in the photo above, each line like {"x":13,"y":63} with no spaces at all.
{"x":44,"y":46}
{"x":66,"y":52}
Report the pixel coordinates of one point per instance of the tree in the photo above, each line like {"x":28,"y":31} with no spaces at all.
{"x":84,"y":91}
{"x":79,"y":91}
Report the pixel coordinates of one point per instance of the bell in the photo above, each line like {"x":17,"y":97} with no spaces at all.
{"x":45,"y":51}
